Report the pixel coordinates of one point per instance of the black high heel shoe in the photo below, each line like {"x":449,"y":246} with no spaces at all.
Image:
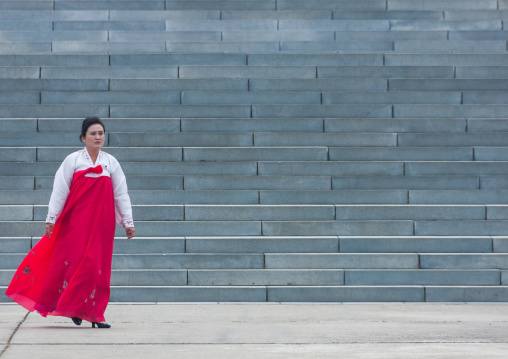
{"x":77,"y":320}
{"x":100,"y":325}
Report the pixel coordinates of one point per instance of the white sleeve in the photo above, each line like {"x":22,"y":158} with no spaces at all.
{"x":123,"y":209}
{"x":61,"y":188}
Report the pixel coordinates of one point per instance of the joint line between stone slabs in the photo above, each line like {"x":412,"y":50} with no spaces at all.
{"x":12,"y":335}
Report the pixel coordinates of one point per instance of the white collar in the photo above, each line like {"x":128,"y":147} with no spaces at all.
{"x":89,"y":158}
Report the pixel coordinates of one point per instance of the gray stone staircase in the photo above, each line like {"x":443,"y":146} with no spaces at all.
{"x":297,"y":151}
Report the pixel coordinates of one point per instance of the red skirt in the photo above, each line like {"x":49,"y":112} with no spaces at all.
{"x":68,"y":274}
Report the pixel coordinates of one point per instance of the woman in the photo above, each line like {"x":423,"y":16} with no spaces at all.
{"x":68,"y":272}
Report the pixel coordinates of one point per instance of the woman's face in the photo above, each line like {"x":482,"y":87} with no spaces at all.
{"x":94,"y":139}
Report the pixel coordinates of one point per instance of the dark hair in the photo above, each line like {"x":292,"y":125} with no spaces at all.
{"x":89,"y":121}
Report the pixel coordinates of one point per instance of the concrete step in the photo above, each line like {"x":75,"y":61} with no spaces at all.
{"x":441,"y":47}
{"x":91,"y":25}
{"x":147,"y":15}
{"x":255,"y":153}
{"x":15,"y":244}
{"x":222,"y":25}
{"x":7,"y":72}
{"x":334,"y":25}
{"x":482,"y":72}
{"x":374,"y":5}
{"x":52,"y":85}
{"x":150,"y":245}
{"x":26,"y":5}
{"x":457,"y":111}
{"x":485,"y":97}
{"x":69,"y":47}
{"x":399,"y":125}
{"x":442,"y":5}
{"x":472,"y":15}
{"x":459,"y":227}
{"x":445,"y":59}
{"x":360,"y":111}
{"x":178,"y":59}
{"x":162,"y":36}
{"x":432,"y":25}
{"x":150,"y":277}
{"x":276,"y":15}
{"x":109,"y":97}
{"x":242,"y":182}
{"x":191,"y":139}
{"x":252,"y":125}
{"x":464,"y":293}
{"x":402,"y":154}
{"x":341,"y":261}
{"x":248,"y":36}
{"x":411,"y":212}
{"x":255,"y":47}
{"x":440,"y":182}
{"x":387,"y":294}
{"x":189,"y":294}
{"x":179,"y":85}
{"x":250,"y":97}
{"x":423,"y":277}
{"x":333,"y":197}
{"x":17,"y":98}
{"x":316,"y":60}
{"x":447,"y":85}
{"x":456,"y":168}
{"x":463,"y":261}
{"x":420,"y":72}
{"x":387,"y":36}
{"x":412,"y":244}
{"x":344,"y":168}
{"x":59,"y":15}
{"x":397,"y":97}
{"x":493,"y":182}
{"x":247,"y":72}
{"x":49,"y":36}
{"x":110,"y":5}
{"x":492,"y":196}
{"x":335,"y":47}
{"x":478,"y":35}
{"x":25,"y":47}
{"x":180,"y":261}
{"x":221,"y":5}
{"x":324,"y":139}
{"x":262,"y":244}
{"x":388,"y":15}
{"x":266,"y":277}
{"x":34,"y":25}
{"x":259,"y":212}
{"x":452,"y":140}
{"x":363,"y":85}
{"x":350,"y":228}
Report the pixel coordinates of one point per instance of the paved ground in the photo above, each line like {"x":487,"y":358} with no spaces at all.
{"x":264,"y":331}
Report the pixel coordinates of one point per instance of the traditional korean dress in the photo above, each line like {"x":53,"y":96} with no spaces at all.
{"x":68,"y":274}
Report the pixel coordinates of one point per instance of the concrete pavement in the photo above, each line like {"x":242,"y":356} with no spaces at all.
{"x":237,"y":330}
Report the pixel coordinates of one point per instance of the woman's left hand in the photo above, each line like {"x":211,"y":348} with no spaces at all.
{"x":129,"y":231}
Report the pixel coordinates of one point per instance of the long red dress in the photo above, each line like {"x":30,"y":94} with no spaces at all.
{"x":68,"y":274}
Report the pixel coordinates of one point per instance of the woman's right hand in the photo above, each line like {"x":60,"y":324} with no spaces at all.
{"x":49,"y":229}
